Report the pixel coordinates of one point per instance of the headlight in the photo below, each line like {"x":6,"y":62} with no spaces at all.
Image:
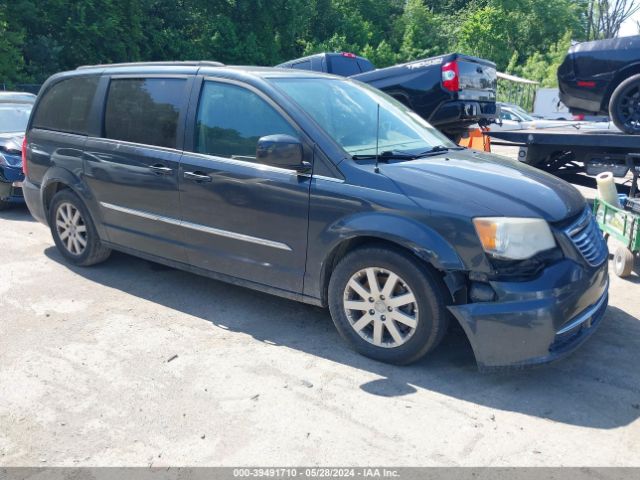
{"x":514,"y":238}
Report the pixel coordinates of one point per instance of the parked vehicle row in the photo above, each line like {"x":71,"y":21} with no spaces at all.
{"x":15,"y":108}
{"x":319,"y":189}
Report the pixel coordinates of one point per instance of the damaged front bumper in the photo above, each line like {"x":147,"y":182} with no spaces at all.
{"x":536,"y":321}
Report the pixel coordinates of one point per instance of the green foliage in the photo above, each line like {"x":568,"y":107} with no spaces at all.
{"x":11,"y":62}
{"x":542,"y":67}
{"x":423,"y":35}
{"x":41,"y":37}
{"x":501,"y":27}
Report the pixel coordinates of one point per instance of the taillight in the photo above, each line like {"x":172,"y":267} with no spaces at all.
{"x":348,"y":55}
{"x":586,"y":84}
{"x":451,"y":76}
{"x":24,"y":157}
{"x":579,"y":117}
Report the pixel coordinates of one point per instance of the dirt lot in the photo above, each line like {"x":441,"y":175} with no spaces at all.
{"x":131,"y":363}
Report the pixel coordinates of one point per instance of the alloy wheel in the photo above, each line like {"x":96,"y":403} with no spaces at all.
{"x":71,"y":228}
{"x":381,"y":307}
{"x":629,"y":108}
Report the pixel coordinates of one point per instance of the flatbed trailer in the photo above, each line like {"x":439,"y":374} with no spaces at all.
{"x":571,"y":151}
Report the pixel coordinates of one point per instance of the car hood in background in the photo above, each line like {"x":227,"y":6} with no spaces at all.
{"x":11,"y":141}
{"x":474,"y":184}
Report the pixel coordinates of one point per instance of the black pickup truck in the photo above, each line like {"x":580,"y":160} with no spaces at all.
{"x":603,"y":78}
{"x":451,"y":91}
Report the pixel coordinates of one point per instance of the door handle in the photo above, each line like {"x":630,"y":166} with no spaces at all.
{"x":197,"y":177}
{"x":160,"y":169}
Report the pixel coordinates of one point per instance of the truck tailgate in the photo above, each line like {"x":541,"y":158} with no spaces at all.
{"x":478,"y":80}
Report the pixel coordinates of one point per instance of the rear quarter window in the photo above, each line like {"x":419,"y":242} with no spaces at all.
{"x":66,"y":106}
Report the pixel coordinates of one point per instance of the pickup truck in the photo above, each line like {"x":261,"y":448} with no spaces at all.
{"x":451,"y":91}
{"x":603,"y":78}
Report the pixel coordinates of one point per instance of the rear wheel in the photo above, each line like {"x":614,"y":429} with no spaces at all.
{"x":624,"y":107}
{"x":386,"y":305}
{"x":73,"y":230}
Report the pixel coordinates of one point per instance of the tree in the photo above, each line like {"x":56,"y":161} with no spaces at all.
{"x":488,"y":32}
{"x":502,"y":27}
{"x":543,"y":66}
{"x":605,"y":17}
{"x":422,"y":35}
{"x":47,"y":36}
{"x":11,"y":62}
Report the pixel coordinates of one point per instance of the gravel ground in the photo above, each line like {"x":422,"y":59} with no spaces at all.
{"x":131,"y":363}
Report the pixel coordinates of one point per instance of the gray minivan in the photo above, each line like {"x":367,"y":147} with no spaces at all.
{"x":322,"y":190}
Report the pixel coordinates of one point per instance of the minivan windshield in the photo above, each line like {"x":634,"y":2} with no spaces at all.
{"x":348,"y":112}
{"x":14,"y":117}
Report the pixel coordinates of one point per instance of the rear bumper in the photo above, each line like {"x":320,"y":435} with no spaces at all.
{"x":581,"y":101}
{"x":538,"y":321}
{"x":34,"y":201}
{"x":463,"y":113}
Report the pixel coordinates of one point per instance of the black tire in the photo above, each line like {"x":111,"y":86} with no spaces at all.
{"x":431,"y":319}
{"x":4,"y":205}
{"x":93,"y":251}
{"x":623,"y":262}
{"x":624,"y":106}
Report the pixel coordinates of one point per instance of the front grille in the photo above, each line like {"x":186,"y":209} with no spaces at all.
{"x":588,"y":239}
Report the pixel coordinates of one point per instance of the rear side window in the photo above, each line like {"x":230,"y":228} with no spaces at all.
{"x":65,"y":107}
{"x":232,"y":119}
{"x":365,"y":65}
{"x":345,"y":66}
{"x":302,"y":65}
{"x":144,"y":110}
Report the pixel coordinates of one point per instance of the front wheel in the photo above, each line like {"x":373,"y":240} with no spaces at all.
{"x":624,"y":106}
{"x":387,"y":305}
{"x":73,"y":230}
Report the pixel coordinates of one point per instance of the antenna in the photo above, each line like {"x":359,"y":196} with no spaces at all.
{"x":377,"y":170}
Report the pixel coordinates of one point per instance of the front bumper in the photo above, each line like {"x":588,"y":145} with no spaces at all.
{"x":537,"y":321}
{"x":11,"y":184}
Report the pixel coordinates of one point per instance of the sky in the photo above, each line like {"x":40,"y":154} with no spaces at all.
{"x":630,"y":27}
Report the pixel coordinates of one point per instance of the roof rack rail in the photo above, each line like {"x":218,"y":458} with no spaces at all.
{"x":200,"y":63}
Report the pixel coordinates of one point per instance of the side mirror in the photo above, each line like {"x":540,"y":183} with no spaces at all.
{"x":282,"y":151}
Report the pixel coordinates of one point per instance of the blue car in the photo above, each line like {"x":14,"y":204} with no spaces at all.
{"x":15,"y":109}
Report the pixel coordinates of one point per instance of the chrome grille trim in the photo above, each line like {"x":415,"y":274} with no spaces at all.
{"x":588,"y":239}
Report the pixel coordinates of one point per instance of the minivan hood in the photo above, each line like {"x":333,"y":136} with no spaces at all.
{"x":481,"y":184}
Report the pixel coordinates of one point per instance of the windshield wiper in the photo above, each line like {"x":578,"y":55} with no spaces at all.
{"x":386,"y":155}
{"x":435,"y":150}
